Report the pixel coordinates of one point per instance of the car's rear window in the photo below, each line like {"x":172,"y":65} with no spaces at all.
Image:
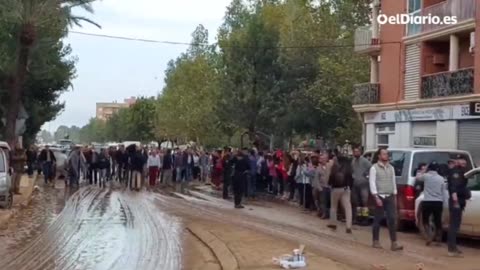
{"x":441,"y":158}
{"x":397,"y":159}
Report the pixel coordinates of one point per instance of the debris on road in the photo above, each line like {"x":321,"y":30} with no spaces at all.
{"x":292,"y":261}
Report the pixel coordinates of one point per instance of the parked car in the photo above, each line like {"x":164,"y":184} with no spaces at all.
{"x":406,"y":162}
{"x":471,"y":217}
{"x":6,"y":194}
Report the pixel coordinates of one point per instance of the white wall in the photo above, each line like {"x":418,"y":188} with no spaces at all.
{"x":403,"y":135}
{"x":369,"y":136}
{"x":447,"y":134}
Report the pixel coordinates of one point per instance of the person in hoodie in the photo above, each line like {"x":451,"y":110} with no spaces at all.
{"x":341,"y":181}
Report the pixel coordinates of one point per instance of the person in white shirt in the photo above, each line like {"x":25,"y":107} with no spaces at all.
{"x":383,"y":188}
{"x":153,"y":165}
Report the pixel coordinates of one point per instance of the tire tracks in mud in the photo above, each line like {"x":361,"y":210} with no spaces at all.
{"x":104,"y":229}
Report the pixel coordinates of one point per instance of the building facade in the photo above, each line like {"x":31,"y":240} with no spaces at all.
{"x":105,"y":110}
{"x":424,"y":88}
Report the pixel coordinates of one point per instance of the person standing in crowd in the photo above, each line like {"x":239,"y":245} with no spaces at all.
{"x":383,"y":188}
{"x":252,"y":178}
{"x":31,"y":154}
{"x":47,"y":159}
{"x":204,"y":166}
{"x":196,"y":166}
{"x":76,"y":165}
{"x":241,"y":167}
{"x":271,"y":175}
{"x":112,"y":154}
{"x":305,"y":190}
{"x":432,"y":204}
{"x":179,"y":166}
{"x":341,"y":182}
{"x":360,"y":168}
{"x":459,"y":194}
{"x":325,"y":167}
{"x":262,"y":170}
{"x":278,"y":183}
{"x":137,"y":161}
{"x":188,"y":164}
{"x":119,"y":162}
{"x":217,"y":170}
{"x":17,"y":160}
{"x":292,"y":172}
{"x":153,"y":165}
{"x":227,"y":166}
{"x":167,"y":168}
{"x":103,"y":165}
{"x":316,"y":187}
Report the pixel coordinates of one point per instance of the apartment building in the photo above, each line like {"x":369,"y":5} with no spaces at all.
{"x":105,"y":110}
{"x":424,"y":90}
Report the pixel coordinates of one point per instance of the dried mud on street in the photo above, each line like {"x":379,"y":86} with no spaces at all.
{"x":114,"y":228}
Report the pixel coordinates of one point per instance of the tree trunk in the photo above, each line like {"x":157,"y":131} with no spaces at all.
{"x":15,"y":94}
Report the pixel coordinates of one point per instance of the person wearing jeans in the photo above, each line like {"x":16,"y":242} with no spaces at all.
{"x":459,"y":194}
{"x":384,"y":189}
{"x":341,"y":181}
{"x":432,"y":204}
{"x":325,"y":169}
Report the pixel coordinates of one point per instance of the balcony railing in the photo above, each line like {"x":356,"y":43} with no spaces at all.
{"x":445,"y":84}
{"x":366,"y":93}
{"x":364,"y":40}
{"x":461,"y":9}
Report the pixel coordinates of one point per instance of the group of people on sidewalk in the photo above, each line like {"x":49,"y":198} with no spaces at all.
{"x":324,"y":180}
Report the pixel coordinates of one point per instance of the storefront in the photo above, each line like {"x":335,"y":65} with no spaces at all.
{"x":448,"y":127}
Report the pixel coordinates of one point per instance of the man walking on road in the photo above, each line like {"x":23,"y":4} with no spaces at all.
{"x":360,"y":167}
{"x":241,"y":170}
{"x":47,"y":159}
{"x":384,"y":189}
{"x":167,"y":167}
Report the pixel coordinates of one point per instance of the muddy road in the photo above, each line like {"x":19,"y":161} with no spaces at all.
{"x":101,"y":229}
{"x":114,"y":228}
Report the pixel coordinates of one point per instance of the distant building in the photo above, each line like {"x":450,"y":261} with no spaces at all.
{"x":105,"y":110}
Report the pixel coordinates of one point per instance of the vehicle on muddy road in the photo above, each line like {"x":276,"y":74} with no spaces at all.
{"x":471,"y":216}
{"x":6,"y":194}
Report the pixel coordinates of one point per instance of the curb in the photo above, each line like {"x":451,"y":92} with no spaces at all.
{"x":220,"y":250}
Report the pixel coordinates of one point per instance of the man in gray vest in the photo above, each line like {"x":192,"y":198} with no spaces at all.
{"x":384,"y":189}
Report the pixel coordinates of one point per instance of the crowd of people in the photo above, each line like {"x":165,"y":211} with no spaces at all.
{"x":319,"y":181}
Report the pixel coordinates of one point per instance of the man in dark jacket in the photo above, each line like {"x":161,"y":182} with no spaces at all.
{"x":241,"y":167}
{"x":47,"y":159}
{"x":31,"y":159}
{"x":457,"y":189}
{"x":167,"y":168}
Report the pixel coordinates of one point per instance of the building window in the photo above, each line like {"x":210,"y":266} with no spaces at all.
{"x":414,"y":9}
{"x":383,"y":133}
{"x":424,"y":134}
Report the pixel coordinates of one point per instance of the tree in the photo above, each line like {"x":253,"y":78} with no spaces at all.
{"x":250,"y":93}
{"x":30,"y":18}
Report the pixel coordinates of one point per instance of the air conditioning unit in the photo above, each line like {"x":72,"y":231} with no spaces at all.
{"x":472,"y":42}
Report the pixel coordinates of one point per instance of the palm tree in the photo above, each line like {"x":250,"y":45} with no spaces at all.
{"x":29,"y":17}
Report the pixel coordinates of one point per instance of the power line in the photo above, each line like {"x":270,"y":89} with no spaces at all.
{"x":225,"y":46}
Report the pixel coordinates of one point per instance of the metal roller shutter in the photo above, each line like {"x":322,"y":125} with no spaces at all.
{"x":412,"y":71}
{"x":469,"y":138}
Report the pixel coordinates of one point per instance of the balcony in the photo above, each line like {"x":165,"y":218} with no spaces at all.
{"x":366,"y":93}
{"x":462,"y":9}
{"x":447,"y":84}
{"x":364,"y":41}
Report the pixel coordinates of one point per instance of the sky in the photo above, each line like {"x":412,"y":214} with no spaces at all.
{"x":111,"y":70}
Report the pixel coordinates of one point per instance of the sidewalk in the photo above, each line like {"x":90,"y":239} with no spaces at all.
{"x":19,"y":201}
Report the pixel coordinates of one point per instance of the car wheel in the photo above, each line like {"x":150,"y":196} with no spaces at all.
{"x":9,"y":202}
